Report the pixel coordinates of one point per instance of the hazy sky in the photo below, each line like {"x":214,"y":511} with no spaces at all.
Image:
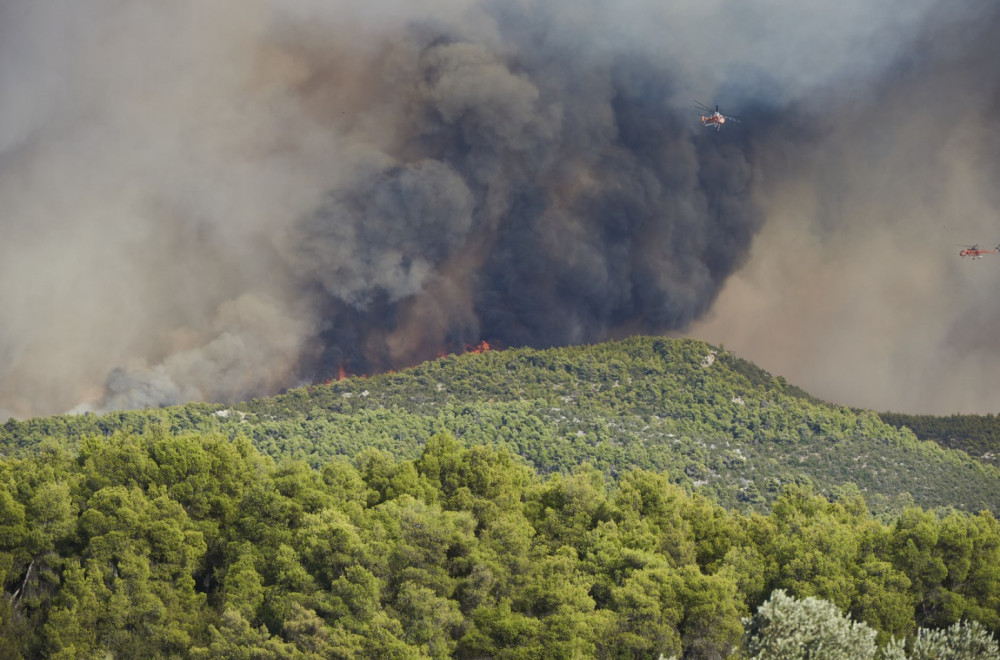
{"x":210,"y":201}
{"x":854,"y":289}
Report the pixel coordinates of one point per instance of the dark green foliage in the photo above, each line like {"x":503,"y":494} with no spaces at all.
{"x":977,"y":435}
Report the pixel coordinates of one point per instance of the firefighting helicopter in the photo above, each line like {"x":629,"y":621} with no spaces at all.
{"x":976,"y":252}
{"x":711,"y":117}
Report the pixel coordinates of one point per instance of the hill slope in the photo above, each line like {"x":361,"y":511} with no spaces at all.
{"x":978,"y":435}
{"x":711,"y":420}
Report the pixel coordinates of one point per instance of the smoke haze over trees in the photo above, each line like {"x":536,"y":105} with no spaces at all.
{"x":219,"y":201}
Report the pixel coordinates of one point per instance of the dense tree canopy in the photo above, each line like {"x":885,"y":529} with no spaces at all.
{"x":195,"y":545}
{"x":979,"y":435}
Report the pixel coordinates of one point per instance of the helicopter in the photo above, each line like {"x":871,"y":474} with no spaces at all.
{"x":713,"y":117}
{"x":976,"y":252}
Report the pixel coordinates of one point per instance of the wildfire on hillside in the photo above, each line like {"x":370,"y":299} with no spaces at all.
{"x":482,"y":347}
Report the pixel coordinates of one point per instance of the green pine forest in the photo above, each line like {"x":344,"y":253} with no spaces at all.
{"x":979,"y":435}
{"x":631,"y":499}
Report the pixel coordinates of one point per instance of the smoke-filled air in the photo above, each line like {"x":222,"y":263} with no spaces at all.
{"x":220,"y":200}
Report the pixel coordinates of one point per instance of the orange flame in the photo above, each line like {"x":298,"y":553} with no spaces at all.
{"x":481,"y":347}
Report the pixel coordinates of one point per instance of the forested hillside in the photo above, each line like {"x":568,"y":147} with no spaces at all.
{"x":157,"y":545}
{"x":629,"y":499}
{"x":978,"y":435}
{"x":712,"y":421}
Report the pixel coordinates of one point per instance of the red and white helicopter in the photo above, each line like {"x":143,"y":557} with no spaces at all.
{"x":976,"y":252}
{"x":711,"y":117}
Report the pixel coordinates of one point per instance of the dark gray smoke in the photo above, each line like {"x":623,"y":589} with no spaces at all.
{"x":526,"y":206}
{"x":215,"y":201}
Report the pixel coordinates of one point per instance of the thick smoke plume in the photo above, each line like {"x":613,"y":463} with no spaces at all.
{"x":219,"y":200}
{"x":855,"y":289}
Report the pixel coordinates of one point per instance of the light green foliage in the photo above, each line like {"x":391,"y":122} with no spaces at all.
{"x":649,"y":611}
{"x":243,"y":587}
{"x":235,"y":639}
{"x":960,"y":641}
{"x":431,"y":621}
{"x":72,"y":626}
{"x":711,"y":624}
{"x":786,"y":628}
